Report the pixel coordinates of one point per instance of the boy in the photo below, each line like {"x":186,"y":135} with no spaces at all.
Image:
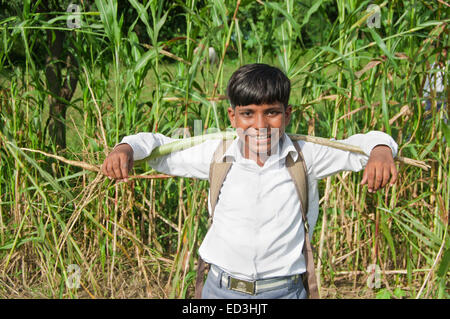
{"x":257,"y":233}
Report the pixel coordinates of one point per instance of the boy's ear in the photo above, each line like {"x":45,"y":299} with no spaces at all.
{"x":232,"y":116}
{"x":287,"y":114}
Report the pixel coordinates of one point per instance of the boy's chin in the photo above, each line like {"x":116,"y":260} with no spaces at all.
{"x":262,"y":149}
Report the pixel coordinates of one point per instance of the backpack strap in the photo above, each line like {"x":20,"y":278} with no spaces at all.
{"x":299,"y":175}
{"x":218,"y":170}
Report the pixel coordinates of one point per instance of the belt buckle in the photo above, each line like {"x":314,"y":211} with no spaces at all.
{"x":247,"y":287}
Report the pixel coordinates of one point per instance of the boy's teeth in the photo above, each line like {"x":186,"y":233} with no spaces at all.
{"x":259,"y":137}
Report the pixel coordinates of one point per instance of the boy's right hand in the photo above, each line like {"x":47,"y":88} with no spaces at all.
{"x":119,"y":162}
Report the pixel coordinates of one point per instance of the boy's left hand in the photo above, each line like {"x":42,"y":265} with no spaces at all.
{"x":379,"y":169}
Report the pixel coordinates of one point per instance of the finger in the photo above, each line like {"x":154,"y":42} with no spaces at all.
{"x":130,"y":164}
{"x":107,"y":165}
{"x":386,"y":175}
{"x":124,"y":167}
{"x":364,"y":178}
{"x":394,"y":174}
{"x":370,"y":179}
{"x":378,"y":180}
{"x":116,"y":169}
{"x":103,"y":168}
{"x":111,"y":170}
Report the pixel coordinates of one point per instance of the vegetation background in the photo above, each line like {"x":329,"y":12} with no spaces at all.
{"x":73,"y":84}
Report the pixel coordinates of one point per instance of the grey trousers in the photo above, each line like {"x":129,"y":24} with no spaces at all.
{"x":214,"y":289}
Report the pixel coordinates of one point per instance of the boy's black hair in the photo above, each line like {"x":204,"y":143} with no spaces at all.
{"x":258,"y":84}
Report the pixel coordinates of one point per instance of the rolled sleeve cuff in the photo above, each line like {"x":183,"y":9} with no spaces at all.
{"x":379,"y":138}
{"x":140,"y":150}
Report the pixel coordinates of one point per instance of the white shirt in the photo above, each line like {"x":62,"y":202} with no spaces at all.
{"x":257,"y":230}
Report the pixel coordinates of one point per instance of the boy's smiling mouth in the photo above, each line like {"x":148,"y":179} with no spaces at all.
{"x":260,"y":138}
{"x":260,"y":141}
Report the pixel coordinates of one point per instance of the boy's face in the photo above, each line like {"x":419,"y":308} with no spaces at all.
{"x":260,"y":127}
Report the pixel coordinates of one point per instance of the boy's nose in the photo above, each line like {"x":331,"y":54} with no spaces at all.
{"x":261,"y":122}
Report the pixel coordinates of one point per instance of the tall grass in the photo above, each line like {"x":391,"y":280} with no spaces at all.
{"x":141,"y":239}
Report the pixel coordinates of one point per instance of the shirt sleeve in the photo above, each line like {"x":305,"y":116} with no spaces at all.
{"x":326,"y":161}
{"x":191,"y":162}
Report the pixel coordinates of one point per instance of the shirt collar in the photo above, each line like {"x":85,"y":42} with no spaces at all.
{"x":288,"y":147}
{"x":284,"y":148}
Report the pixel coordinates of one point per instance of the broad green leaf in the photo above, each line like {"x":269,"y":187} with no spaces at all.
{"x":311,"y":11}
{"x":43,"y":173}
{"x":383,"y":294}
{"x":20,"y":242}
{"x":428,"y":148}
{"x":145,"y":59}
{"x":379,"y":41}
{"x":387,"y":234}
{"x":446,"y":132}
{"x":399,"y":293}
{"x":143,"y":14}
{"x":277,"y":7}
{"x":418,"y":223}
{"x":445,"y":262}
{"x":160,"y":23}
{"x":385,"y":108}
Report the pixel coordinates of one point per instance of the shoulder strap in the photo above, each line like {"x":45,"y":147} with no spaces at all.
{"x":299,"y":175}
{"x":218,"y":170}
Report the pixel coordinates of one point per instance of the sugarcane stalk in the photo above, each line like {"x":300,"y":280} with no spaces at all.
{"x":185,"y":143}
{"x":192,"y":141}
{"x":354,"y":149}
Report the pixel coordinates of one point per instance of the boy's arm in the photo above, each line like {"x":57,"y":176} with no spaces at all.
{"x":192,"y":162}
{"x":380,"y":149}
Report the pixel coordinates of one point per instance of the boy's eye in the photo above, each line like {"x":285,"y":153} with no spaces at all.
{"x":246,"y":114}
{"x":273,"y":113}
